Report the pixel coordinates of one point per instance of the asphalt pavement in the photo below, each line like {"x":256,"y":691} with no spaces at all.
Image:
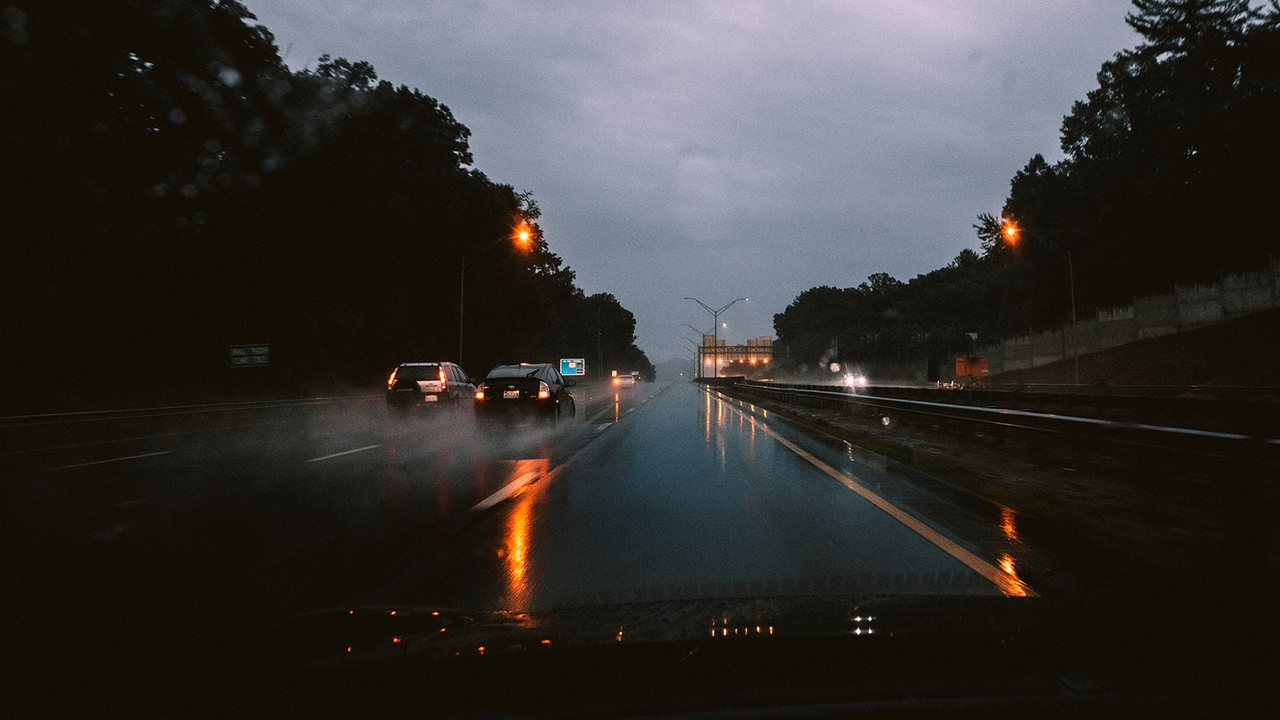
{"x":135,"y":543}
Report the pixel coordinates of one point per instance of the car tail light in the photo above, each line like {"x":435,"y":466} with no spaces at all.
{"x":480,"y":393}
{"x":441,"y":376}
{"x":392,"y":380}
{"x":544,"y":391}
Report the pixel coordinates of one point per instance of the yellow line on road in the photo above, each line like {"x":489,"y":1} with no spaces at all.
{"x":1005,"y":582}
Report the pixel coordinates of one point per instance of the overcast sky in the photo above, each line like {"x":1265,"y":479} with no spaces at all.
{"x":735,"y":149}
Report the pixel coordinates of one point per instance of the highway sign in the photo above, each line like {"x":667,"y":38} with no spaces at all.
{"x":573,"y":366}
{"x":249,"y":355}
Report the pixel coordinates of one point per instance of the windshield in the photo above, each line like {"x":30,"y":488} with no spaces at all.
{"x":946,"y":329}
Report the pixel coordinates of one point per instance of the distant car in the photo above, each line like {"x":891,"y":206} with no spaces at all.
{"x":624,"y":380}
{"x":430,"y":384}
{"x":527,"y":390}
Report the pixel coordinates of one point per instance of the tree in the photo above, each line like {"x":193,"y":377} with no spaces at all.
{"x":1169,"y":163}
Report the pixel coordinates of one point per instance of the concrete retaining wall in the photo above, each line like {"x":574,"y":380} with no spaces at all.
{"x":1186,"y":308}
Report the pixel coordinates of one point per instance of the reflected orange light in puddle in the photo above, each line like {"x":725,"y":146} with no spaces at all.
{"x":517,"y":531}
{"x":1010,"y":584}
{"x":1008,"y":516}
{"x":616,"y":406}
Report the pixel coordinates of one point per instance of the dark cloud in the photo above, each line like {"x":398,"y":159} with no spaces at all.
{"x":729,"y":149}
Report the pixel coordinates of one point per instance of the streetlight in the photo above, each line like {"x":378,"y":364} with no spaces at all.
{"x":1012,"y":234}
{"x":522,"y":235}
{"x":715,"y":316}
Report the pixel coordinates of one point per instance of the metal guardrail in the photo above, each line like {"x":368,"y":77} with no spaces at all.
{"x":87,"y":416}
{"x":1254,"y":416}
{"x":1171,"y":439}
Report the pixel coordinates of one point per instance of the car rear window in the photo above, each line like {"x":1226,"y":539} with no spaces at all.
{"x":509,"y":371}
{"x":418,"y":372}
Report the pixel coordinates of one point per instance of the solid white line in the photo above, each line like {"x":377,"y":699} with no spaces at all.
{"x":99,"y":462}
{"x":505,"y":492}
{"x":344,"y":452}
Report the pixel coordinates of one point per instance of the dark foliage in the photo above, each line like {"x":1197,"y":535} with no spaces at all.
{"x":1169,"y":178}
{"x":170,"y":188}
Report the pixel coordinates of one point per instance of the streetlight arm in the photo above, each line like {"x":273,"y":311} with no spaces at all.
{"x":704,"y":305}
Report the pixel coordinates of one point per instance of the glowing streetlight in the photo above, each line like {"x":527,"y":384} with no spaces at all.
{"x":523,"y":238}
{"x":1012,"y":234}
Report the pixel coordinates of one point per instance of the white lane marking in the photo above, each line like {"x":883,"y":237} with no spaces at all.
{"x":505,"y":492}
{"x":602,"y":426}
{"x":1007,"y":583}
{"x":99,"y":462}
{"x":344,"y":452}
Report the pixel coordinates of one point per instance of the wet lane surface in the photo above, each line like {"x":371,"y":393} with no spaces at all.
{"x":695,"y":496}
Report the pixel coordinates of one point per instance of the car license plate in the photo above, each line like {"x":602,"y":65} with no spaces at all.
{"x":511,"y":394}
{"x":430,"y":398}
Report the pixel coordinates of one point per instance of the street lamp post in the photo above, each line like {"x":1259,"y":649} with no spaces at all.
{"x":701,"y":334}
{"x":715,"y":316}
{"x":1011,"y":233}
{"x":522,"y":235}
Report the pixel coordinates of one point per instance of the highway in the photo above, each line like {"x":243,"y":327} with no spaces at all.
{"x":155,"y":537}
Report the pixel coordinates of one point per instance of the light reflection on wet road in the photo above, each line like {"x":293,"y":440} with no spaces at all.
{"x":656,"y":492}
{"x":696,"y":495}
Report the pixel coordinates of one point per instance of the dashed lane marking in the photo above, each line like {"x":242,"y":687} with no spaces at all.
{"x":344,"y":452}
{"x":505,"y":492}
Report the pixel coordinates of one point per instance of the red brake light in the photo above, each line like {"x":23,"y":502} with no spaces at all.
{"x":479,"y":393}
{"x":544,"y":391}
{"x":441,"y":376}
{"x":392,"y":380}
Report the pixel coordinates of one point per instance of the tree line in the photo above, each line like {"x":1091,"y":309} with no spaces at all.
{"x":170,"y":188}
{"x":1168,"y":177}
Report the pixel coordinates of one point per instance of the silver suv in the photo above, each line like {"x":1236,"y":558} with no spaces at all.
{"x":430,"y":384}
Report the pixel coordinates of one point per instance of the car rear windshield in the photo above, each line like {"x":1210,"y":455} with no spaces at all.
{"x":418,"y":372}
{"x":510,"y":371}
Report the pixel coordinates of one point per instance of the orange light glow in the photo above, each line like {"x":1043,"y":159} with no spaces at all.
{"x":1011,"y":585}
{"x":1011,"y":232}
{"x":1007,"y":518}
{"x":395,"y":639}
{"x":518,"y":529}
{"x":480,"y":649}
{"x":393,"y":612}
{"x":546,"y":641}
{"x":480,"y":394}
{"x":523,"y":233}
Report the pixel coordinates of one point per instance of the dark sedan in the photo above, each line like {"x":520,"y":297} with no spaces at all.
{"x":527,"y":390}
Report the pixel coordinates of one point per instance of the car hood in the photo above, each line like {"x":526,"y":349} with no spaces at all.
{"x":668,"y":657}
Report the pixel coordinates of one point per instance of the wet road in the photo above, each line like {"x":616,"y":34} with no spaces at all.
{"x":129,"y":534}
{"x":697,"y":495}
